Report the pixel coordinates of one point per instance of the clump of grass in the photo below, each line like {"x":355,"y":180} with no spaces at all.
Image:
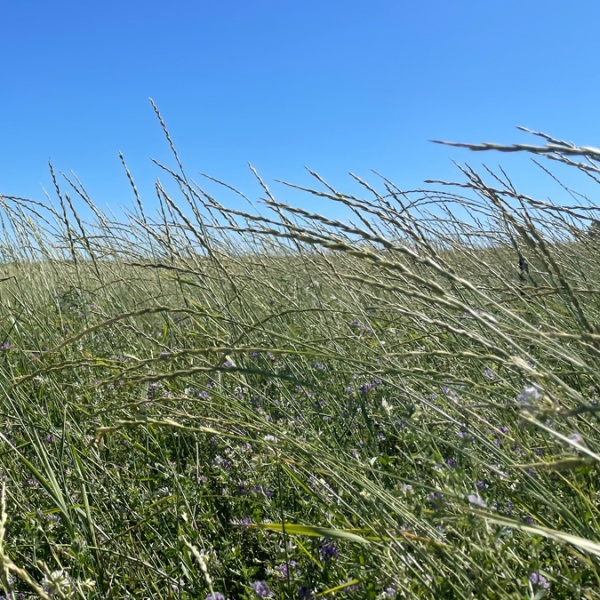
{"x":216,"y":402}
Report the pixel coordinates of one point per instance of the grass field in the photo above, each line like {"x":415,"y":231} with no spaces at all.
{"x":214,"y":403}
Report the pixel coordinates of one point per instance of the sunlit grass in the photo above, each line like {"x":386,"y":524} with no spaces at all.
{"x":211,"y":402}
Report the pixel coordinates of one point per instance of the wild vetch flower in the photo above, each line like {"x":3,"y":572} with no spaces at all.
{"x":319,"y":366}
{"x":285,"y":568}
{"x":5,"y":347}
{"x":477,"y":501}
{"x":228,"y":364}
{"x":487,"y":372}
{"x":463,"y":434}
{"x":328,"y":551}
{"x":435,"y":500}
{"x":389,"y":592}
{"x":366,"y":387}
{"x":219,"y":461}
{"x":448,"y":391}
{"x":261,"y":589}
{"x":451,"y":463}
{"x":261,"y":489}
{"x":539,"y":581}
{"x":530,"y":520}
{"x":215,"y":596}
{"x":529,"y":394}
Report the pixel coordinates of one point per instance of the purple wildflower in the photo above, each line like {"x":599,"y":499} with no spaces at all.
{"x":529,"y":394}
{"x":530,"y":520}
{"x":287,"y":567}
{"x":451,"y":463}
{"x":222,"y":462}
{"x":261,"y":489}
{"x":261,"y":589}
{"x":365,"y":388}
{"x":487,"y":372}
{"x":215,"y":596}
{"x":328,"y":551}
{"x":435,"y":499}
{"x":539,"y":581}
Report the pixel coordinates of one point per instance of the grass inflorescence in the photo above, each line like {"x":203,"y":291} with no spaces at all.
{"x":212,"y":402}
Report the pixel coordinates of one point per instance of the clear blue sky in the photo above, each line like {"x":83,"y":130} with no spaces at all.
{"x":334,"y":85}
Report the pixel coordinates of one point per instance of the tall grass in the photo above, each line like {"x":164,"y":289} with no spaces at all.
{"x":203,"y":401}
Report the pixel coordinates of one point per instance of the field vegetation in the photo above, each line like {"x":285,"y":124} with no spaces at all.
{"x":212,"y":402}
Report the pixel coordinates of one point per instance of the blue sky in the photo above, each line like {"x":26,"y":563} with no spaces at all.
{"x":282,"y":84}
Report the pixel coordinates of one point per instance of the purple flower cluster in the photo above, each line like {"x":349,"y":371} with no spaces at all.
{"x":539,"y":581}
{"x":328,"y":552}
{"x":261,"y":589}
{"x":365,"y":388}
{"x":359,"y":326}
{"x":287,"y":567}
{"x":435,"y":500}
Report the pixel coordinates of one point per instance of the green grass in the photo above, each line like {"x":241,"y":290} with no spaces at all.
{"x":209,"y":400}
